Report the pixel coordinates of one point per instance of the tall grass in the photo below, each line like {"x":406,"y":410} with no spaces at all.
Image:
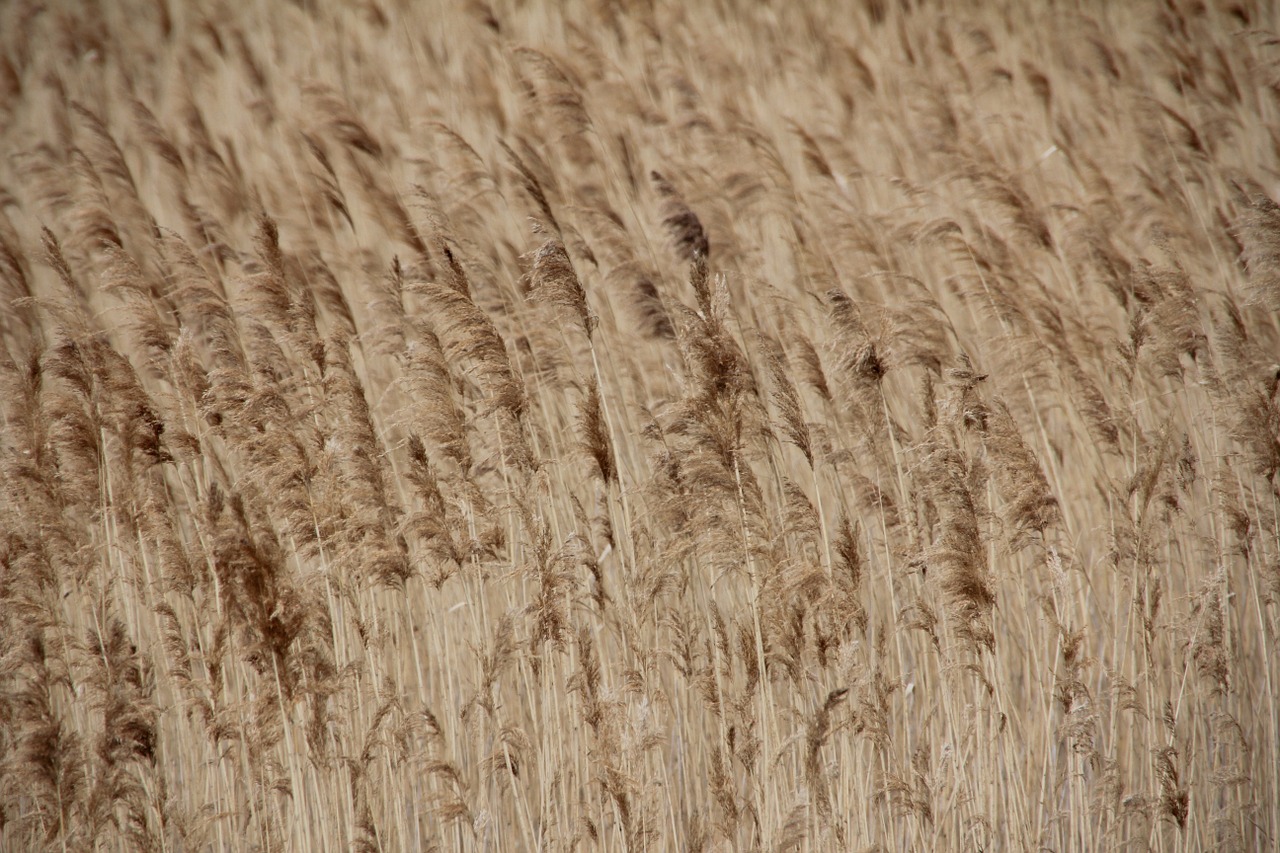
{"x":735,"y":426}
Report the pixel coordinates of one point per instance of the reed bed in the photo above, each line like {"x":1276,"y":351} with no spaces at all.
{"x":589,"y":426}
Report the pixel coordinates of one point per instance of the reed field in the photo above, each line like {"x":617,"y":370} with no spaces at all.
{"x":648,"y":426}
